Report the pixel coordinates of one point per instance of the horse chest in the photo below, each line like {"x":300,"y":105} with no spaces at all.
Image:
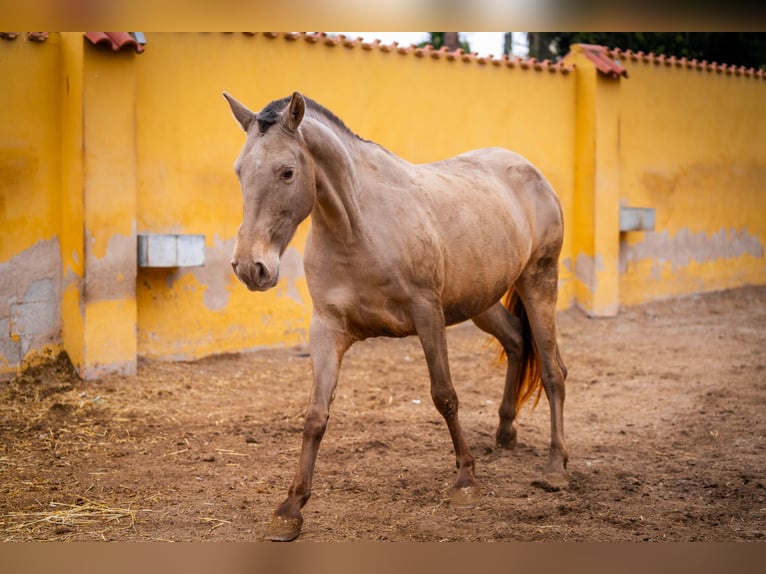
{"x":363,"y":300}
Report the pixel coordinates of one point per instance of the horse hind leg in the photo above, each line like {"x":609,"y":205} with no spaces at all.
{"x":506,"y":328}
{"x":538,"y":289}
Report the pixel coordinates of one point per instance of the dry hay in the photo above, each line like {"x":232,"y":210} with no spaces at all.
{"x":43,"y":407}
{"x":65,"y":519}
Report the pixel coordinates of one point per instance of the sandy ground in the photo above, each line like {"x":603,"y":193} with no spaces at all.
{"x":665,"y":423}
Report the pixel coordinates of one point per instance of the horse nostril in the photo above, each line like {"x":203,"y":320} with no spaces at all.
{"x":260,"y":271}
{"x":254,"y":274}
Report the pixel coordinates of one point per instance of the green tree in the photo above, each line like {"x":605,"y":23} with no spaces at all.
{"x":733,"y":48}
{"x":450,"y":39}
{"x":508,"y":43}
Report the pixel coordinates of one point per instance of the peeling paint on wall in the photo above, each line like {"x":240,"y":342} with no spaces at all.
{"x":685,"y":247}
{"x":30,"y":290}
{"x":291,"y":269}
{"x":112,"y":276}
{"x":216,"y":275}
{"x":585,"y":269}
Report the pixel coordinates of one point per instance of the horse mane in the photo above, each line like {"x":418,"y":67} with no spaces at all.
{"x":269,"y":115}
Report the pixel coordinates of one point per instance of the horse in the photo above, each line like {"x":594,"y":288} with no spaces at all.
{"x":398,"y":249}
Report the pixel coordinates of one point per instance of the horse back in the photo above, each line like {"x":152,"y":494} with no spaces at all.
{"x":510,"y":195}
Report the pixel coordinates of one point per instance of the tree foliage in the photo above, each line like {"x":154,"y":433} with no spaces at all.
{"x":438,"y":39}
{"x":733,"y":48}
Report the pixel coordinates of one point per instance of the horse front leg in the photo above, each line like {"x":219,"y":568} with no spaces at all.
{"x":429,"y":323}
{"x":327,"y":348}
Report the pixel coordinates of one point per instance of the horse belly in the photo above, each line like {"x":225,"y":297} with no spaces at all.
{"x":384,"y":318}
{"x":470,"y":300}
{"x":482,"y":261}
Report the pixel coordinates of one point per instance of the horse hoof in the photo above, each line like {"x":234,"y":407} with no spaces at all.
{"x":283,"y":529}
{"x":553,"y":481}
{"x":505,"y":439}
{"x":465,"y":497}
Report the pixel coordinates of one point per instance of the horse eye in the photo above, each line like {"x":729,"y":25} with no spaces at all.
{"x":287,"y":174}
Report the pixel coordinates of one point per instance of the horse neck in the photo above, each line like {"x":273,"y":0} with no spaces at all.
{"x":337,"y":209}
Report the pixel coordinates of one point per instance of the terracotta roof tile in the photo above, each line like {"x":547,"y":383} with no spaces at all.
{"x":420,"y":52}
{"x":114,"y":40}
{"x":604,"y":63}
{"x":31,"y":36}
{"x":683,"y":62}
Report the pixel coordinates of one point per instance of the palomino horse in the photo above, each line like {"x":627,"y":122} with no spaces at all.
{"x":397,"y":249}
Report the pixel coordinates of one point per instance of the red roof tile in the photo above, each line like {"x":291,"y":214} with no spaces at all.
{"x":118,"y":40}
{"x":37,"y":36}
{"x":114,"y":40}
{"x":703,"y":65}
{"x":605,"y":64}
{"x":421,"y":52}
{"x":31,"y":36}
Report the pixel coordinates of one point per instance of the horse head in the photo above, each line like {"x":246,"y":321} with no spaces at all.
{"x":278,"y":185}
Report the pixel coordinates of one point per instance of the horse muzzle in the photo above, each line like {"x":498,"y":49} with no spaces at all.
{"x":256,"y":275}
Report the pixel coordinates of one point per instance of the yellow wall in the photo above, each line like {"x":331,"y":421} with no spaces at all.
{"x":593,"y":220}
{"x":72,"y":178}
{"x":693,"y":146}
{"x":97,"y":147}
{"x":30,"y":260}
{"x":109,"y":213}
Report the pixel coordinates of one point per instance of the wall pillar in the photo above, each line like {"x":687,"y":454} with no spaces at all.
{"x":597,"y":186}
{"x":99,"y":183}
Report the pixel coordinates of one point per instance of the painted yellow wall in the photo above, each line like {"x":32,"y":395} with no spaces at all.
{"x":67,"y":205}
{"x":30,"y":261}
{"x":109,"y":213}
{"x":97,"y":147}
{"x":72,"y":182}
{"x":29,"y":163}
{"x":692,"y":146}
{"x":595,"y":203}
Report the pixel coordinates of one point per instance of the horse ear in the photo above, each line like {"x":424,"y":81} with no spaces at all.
{"x":294,"y":112}
{"x":244,"y":116}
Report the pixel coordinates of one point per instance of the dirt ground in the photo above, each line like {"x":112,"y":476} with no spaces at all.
{"x":665,"y":422}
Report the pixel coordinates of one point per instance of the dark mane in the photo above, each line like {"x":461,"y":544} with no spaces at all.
{"x":269,"y":115}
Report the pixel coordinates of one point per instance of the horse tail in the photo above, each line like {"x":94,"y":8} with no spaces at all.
{"x":528,"y":379}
